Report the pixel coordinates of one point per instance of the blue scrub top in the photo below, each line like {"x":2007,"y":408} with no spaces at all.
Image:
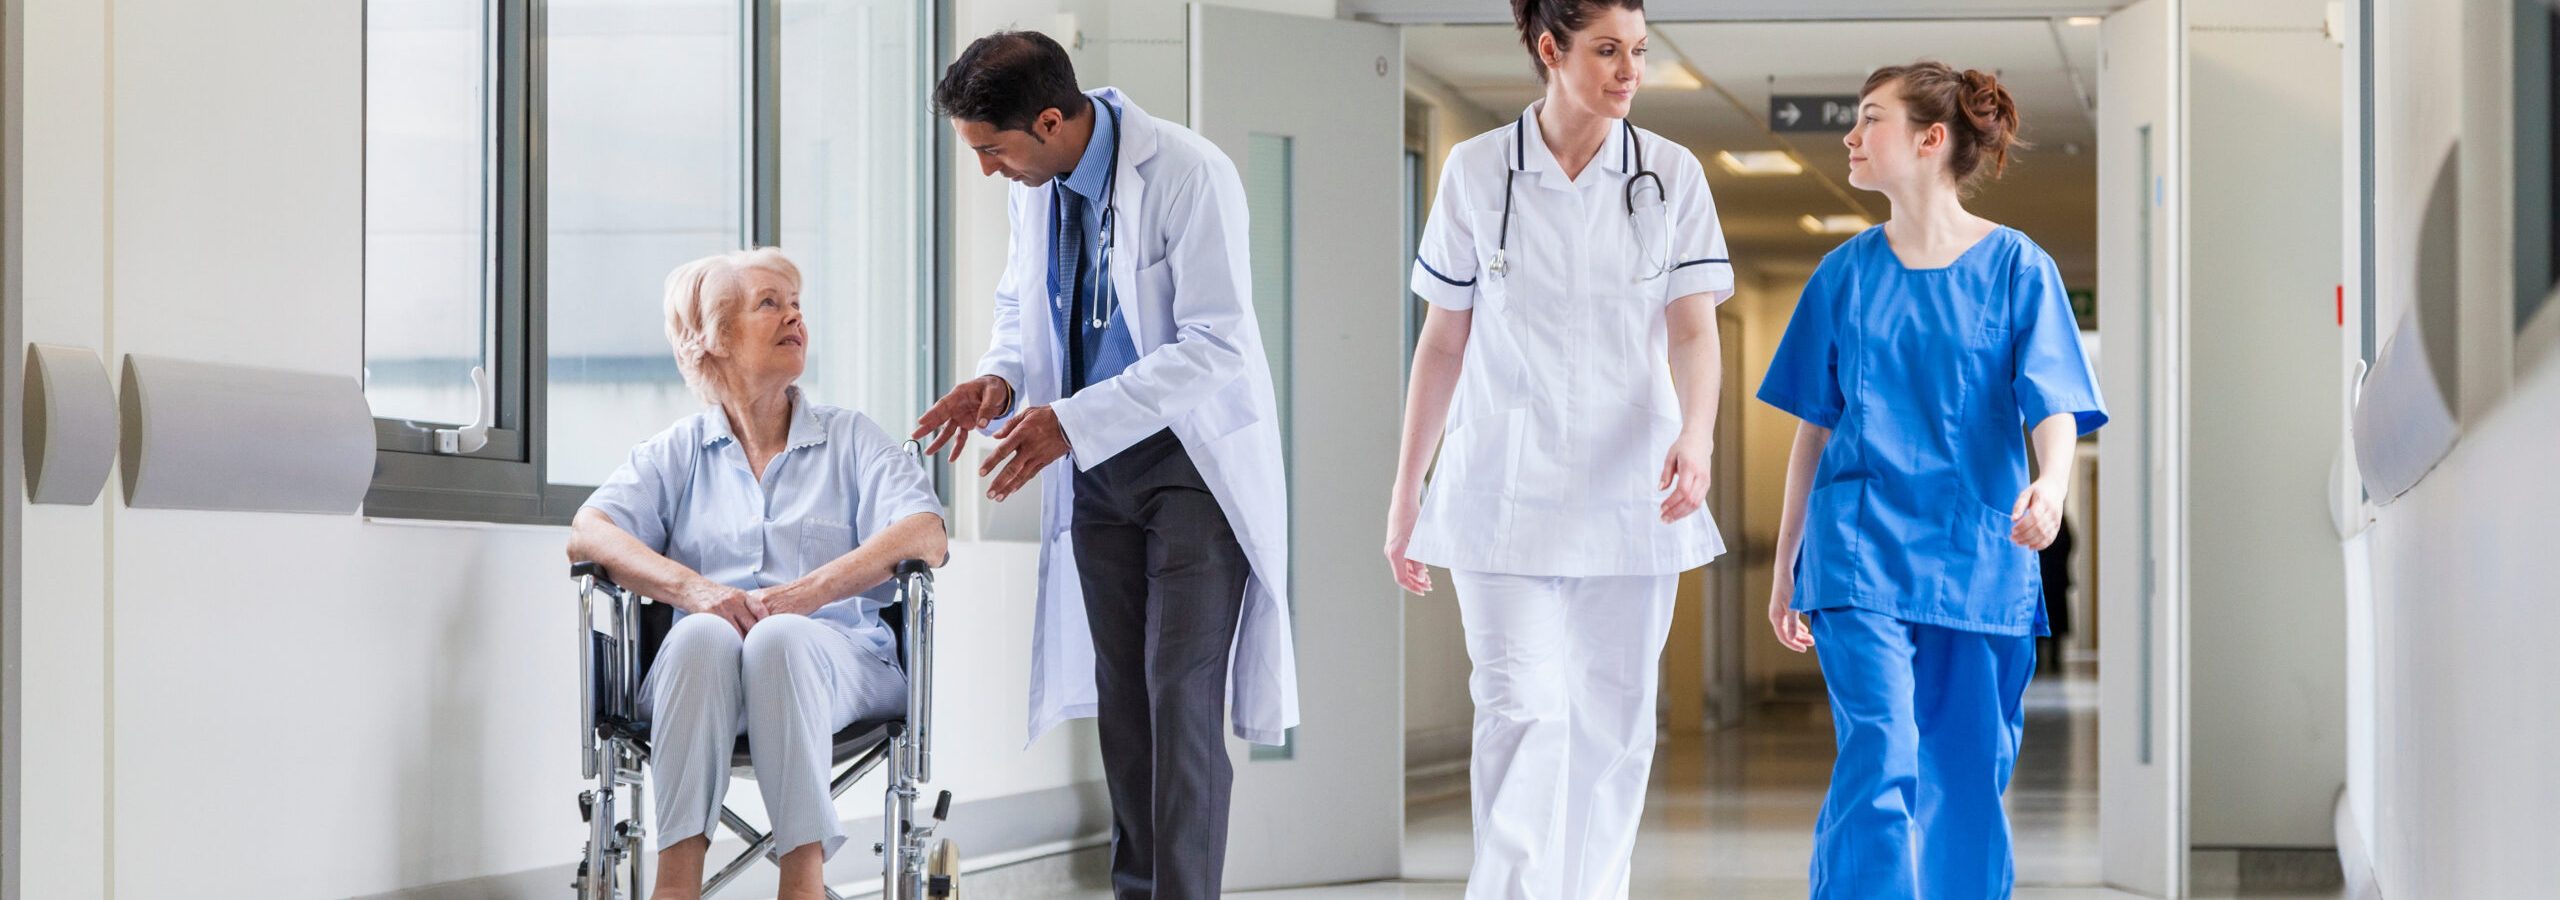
{"x":1927,"y":379}
{"x":688,"y":494}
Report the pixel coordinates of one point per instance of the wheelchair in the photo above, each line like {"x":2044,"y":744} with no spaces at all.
{"x":620,"y":632}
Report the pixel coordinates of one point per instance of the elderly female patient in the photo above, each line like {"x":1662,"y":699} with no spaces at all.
{"x":772,"y":525}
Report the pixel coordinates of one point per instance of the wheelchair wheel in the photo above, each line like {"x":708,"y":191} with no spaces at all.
{"x":942,"y":871}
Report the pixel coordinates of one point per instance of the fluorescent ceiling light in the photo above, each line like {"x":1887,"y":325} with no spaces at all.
{"x":1672,"y":73}
{"x":2082,"y":21}
{"x":1759,"y":162}
{"x":1839,"y":224}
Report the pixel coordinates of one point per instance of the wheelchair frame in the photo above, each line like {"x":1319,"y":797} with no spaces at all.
{"x":615,"y":752}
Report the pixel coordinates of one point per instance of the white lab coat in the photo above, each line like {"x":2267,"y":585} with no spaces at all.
{"x":1564,"y":407}
{"x":1180,"y":270}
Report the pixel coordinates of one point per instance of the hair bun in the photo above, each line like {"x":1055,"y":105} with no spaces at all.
{"x":1979,"y":113}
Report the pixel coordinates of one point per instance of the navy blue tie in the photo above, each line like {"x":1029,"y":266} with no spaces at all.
{"x":1067,"y":262}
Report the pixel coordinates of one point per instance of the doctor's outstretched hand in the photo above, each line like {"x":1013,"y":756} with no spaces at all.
{"x":1684,"y":474}
{"x":1414,"y":577}
{"x":970,"y":406}
{"x":1025,"y":445}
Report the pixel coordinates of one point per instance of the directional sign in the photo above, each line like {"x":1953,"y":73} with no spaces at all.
{"x":1812,"y":112}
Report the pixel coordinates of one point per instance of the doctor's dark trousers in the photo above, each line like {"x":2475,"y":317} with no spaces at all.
{"x":1164,"y":582}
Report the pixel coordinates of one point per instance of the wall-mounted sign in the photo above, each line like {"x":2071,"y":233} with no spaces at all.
{"x":1812,"y":112}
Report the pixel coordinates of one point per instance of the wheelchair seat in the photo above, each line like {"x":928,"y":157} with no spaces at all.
{"x":623,"y":633}
{"x":656,"y":619}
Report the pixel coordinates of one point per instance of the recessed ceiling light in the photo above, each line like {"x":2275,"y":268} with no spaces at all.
{"x":1671,"y":74}
{"x":1759,"y":162}
{"x":1836,"y":224}
{"x":2082,"y":21}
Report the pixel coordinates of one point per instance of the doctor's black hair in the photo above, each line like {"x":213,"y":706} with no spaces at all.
{"x":1560,"y":18}
{"x":1006,"y":79}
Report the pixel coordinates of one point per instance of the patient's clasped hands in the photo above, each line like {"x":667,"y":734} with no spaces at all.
{"x":743,"y":608}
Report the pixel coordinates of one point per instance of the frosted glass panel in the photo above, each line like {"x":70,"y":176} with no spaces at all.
{"x":1270,"y":202}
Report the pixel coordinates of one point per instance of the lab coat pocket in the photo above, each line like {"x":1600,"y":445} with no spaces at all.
{"x":822,"y":540}
{"x":1226,"y":412}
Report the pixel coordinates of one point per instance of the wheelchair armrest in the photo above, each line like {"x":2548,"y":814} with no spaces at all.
{"x":592,"y":569}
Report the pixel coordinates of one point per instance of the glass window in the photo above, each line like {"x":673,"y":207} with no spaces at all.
{"x":851,"y":200}
{"x":527,"y":194}
{"x":2537,"y":158}
{"x":645,"y":170}
{"x":427,"y":230}
{"x":1270,"y":201}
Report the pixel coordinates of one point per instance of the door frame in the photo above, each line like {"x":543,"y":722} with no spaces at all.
{"x":12,"y":464}
{"x":1345,"y":763}
{"x":2168,"y":317}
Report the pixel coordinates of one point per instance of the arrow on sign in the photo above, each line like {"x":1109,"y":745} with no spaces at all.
{"x":1789,"y":114}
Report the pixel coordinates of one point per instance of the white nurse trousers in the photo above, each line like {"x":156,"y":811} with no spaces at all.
{"x":1566,"y":671}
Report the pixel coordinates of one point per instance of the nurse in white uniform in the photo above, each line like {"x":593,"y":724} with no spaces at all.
{"x":1573,"y":263}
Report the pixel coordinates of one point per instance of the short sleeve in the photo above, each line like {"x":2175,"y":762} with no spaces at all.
{"x":2053,"y":374}
{"x":1700,"y":264}
{"x":891,"y":485}
{"x":1804,"y":375}
{"x":1444,"y":264}
{"x":637,"y":498}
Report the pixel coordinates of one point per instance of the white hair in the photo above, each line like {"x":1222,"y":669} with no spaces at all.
{"x":702,"y":295}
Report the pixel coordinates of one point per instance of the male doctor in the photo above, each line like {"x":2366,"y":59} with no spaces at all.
{"x":1125,"y":343}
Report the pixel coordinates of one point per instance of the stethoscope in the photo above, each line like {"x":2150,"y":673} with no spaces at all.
{"x":1500,"y":265}
{"x":1100,"y":316}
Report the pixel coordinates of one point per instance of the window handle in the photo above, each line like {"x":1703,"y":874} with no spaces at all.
{"x":472,"y":437}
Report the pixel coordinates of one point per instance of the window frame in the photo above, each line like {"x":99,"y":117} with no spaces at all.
{"x":508,"y":480}
{"x":501,"y":482}
{"x":2536,"y":117}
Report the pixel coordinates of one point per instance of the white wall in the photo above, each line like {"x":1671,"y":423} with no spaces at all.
{"x":2266,"y":643}
{"x":2461,"y":566}
{"x":225,"y":704}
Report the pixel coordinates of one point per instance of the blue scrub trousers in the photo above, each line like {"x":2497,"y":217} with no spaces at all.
{"x":1928,"y":721}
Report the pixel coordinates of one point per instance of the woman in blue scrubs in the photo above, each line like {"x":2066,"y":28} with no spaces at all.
{"x":1919,"y":352}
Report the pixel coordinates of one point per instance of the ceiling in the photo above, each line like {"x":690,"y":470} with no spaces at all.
{"x":2049,"y":192}
{"x":1443,"y":12}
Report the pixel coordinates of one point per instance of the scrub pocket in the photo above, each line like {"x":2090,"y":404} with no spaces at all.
{"x":2006,"y":586}
{"x":1830,"y":551}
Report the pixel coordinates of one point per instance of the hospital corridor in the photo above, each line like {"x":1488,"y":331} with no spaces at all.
{"x":1287,"y":449}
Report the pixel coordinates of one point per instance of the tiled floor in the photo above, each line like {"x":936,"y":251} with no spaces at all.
{"x":1730,"y":815}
